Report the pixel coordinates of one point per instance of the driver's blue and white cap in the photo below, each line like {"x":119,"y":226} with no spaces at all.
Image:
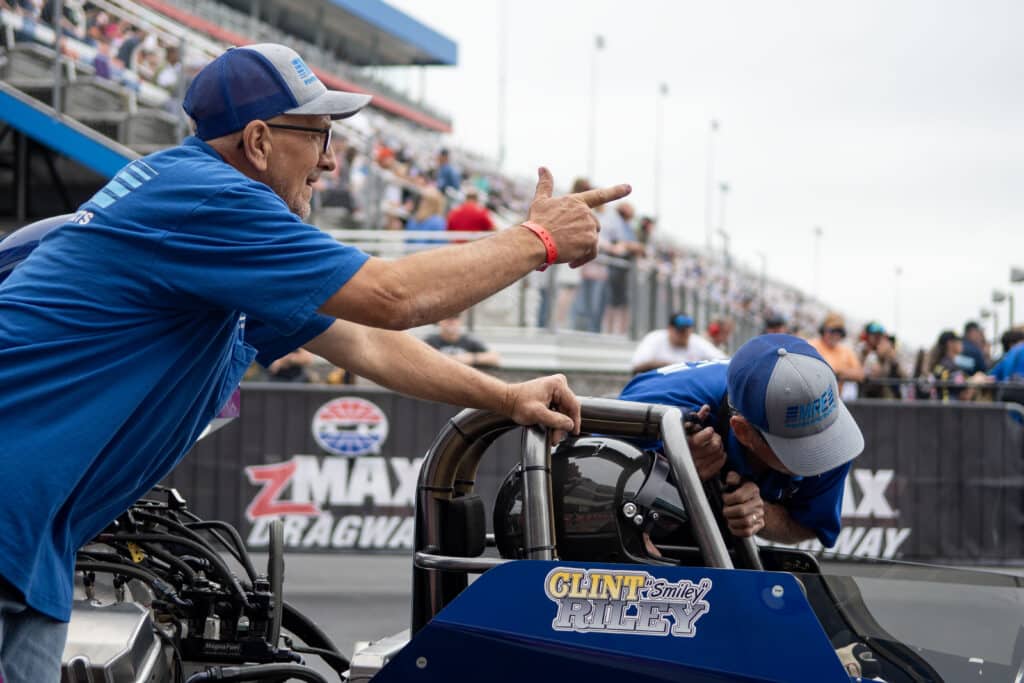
{"x":783,"y":386}
{"x":259,"y":82}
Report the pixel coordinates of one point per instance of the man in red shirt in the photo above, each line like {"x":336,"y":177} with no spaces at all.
{"x":470,"y":216}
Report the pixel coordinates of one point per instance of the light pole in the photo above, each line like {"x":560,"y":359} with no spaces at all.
{"x":818,"y":232}
{"x":764,"y":268}
{"x":897,"y":272}
{"x":709,"y":185}
{"x":723,"y":192}
{"x":1016,"y":277}
{"x":991,"y":313}
{"x":502,"y":76}
{"x":998,"y":297}
{"x":591,"y":147}
{"x":658,"y":116}
{"x":725,"y":257}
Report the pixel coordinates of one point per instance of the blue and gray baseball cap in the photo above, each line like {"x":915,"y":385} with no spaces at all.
{"x":782,"y":386}
{"x":259,"y":82}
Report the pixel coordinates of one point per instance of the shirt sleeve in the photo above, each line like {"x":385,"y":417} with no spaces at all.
{"x":270,"y":345}
{"x":242,"y":249}
{"x":818,"y":504}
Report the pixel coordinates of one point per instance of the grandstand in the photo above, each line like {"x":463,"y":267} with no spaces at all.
{"x":75,"y":107}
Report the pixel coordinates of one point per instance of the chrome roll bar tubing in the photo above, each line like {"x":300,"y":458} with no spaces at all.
{"x":449,"y":470}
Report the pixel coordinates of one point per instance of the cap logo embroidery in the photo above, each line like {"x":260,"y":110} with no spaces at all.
{"x":303,"y":71}
{"x":806,"y":414}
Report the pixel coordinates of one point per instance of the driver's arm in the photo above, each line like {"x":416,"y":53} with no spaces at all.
{"x":780,"y":527}
{"x":405,"y":364}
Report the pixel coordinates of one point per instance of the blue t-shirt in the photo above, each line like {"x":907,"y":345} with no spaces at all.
{"x":121,"y":336}
{"x":435,"y":223}
{"x":977,"y":357}
{"x":1011,"y":366}
{"x":815,"y":502}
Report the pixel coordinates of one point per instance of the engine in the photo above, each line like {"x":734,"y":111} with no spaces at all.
{"x":162,"y":596}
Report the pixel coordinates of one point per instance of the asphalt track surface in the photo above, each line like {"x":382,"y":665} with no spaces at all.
{"x":364,"y":597}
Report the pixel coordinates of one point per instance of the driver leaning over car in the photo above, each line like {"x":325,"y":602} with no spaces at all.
{"x":772,"y":421}
{"x":124,"y":333}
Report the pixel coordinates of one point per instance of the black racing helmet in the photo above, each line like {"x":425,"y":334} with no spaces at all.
{"x":606,"y":495}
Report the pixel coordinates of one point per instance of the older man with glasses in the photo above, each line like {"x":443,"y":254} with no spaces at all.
{"x":840,"y":356}
{"x":129,"y":327}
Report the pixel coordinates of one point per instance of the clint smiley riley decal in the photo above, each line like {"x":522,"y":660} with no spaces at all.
{"x":633,"y":602}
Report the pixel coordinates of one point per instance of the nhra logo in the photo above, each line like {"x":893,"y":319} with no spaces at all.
{"x":350,"y":426}
{"x":625,"y":602}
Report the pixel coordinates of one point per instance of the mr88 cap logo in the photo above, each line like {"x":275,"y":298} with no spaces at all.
{"x":350,"y":426}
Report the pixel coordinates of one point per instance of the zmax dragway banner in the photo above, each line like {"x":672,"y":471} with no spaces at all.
{"x":340,"y":464}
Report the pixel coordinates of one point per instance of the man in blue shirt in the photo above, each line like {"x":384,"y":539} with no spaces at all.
{"x":974,"y":347}
{"x":125,"y":331}
{"x":775,"y":422}
{"x":1010,"y":367}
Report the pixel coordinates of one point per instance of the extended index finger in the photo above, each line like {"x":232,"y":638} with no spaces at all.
{"x":603,"y":195}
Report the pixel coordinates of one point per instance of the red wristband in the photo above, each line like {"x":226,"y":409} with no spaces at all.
{"x":545,"y":237}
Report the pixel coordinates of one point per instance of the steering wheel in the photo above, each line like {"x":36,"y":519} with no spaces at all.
{"x":275,"y":576}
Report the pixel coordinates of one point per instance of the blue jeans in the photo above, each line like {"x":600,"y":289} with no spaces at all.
{"x":31,"y":643}
{"x":588,"y":308}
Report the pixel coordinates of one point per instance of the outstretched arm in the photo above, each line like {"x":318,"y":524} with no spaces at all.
{"x":430,"y":285}
{"x":405,"y":364}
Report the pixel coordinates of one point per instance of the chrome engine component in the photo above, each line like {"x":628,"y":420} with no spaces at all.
{"x":114,"y":643}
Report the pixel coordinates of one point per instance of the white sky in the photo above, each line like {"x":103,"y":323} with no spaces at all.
{"x":896,"y":126}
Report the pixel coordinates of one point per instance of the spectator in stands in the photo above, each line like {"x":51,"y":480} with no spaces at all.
{"x":720,"y":332}
{"x":101,"y":63}
{"x":592,"y":294}
{"x":775,"y":323}
{"x":147,"y":63}
{"x":132,"y":37}
{"x":296,"y":366}
{"x":470,"y":216}
{"x":30,"y":9}
{"x":675,"y":344}
{"x":448,"y":177}
{"x":170,"y":71}
{"x":790,"y":472}
{"x":429,"y":216}
{"x":948,"y":369}
{"x":645,"y":233}
{"x":165,"y":266}
{"x":839,"y":355}
{"x":335,"y":187}
{"x":877,"y":354}
{"x":453,"y":341}
{"x":567,"y":280}
{"x":976,"y":347}
{"x":623,"y":245}
{"x":72,"y":22}
{"x":1010,"y":367}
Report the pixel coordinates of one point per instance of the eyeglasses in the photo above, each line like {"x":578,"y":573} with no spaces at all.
{"x":841,"y":331}
{"x":326,"y":132}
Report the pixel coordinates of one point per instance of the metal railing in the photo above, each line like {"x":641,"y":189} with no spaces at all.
{"x":929,"y":389}
{"x":654,"y":291}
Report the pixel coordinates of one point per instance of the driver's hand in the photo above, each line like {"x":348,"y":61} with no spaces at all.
{"x":546,"y":401}
{"x":706,"y":448}
{"x":743,"y":507}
